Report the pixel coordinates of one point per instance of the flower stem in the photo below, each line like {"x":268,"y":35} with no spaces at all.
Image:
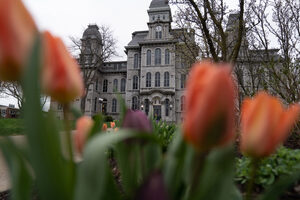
{"x":254,"y":167}
{"x":67,"y":134}
{"x":199,"y":164}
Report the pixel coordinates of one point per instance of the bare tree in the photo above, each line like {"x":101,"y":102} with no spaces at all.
{"x":91,"y":54}
{"x":276,"y":20}
{"x":13,"y":89}
{"x":209,"y":19}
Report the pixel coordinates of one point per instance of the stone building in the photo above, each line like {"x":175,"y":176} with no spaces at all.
{"x":152,"y":79}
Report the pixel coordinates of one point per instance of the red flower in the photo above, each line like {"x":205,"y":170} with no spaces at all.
{"x":104,"y":127}
{"x":265,"y":124}
{"x":83,"y":128}
{"x":112,"y":124}
{"x":61,"y":77}
{"x":209,"y":112}
{"x":17,"y":32}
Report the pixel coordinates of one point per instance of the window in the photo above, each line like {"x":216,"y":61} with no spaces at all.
{"x":148,"y":79}
{"x":105,"y":82}
{"x":157,"y":56}
{"x":123,"y":84}
{"x":167,"y":107}
{"x":136,"y":61}
{"x":182,"y":61}
{"x":148,"y":57}
{"x":182,"y":80}
{"x":182,"y":101}
{"x":147,"y":103}
{"x":114,"y":106}
{"x":167,"y":56}
{"x":104,"y":106}
{"x":115,"y":85}
{"x":158,"y":31}
{"x":95,"y":104}
{"x":134,"y":105}
{"x":59,"y":106}
{"x":96,"y":85}
{"x":166,"y":79}
{"x":157,"y":79}
{"x":135,"y":82}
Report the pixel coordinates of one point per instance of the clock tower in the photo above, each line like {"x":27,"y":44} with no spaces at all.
{"x":160,"y":19}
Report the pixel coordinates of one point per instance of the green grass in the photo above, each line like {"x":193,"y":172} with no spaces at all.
{"x":11,"y":127}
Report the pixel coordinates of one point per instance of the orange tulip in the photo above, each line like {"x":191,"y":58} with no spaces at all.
{"x":265,"y":124}
{"x":61,"y":77}
{"x":83,"y":128}
{"x":112,"y":124}
{"x":17,"y":33}
{"x":209,"y":111}
{"x":104,"y":127}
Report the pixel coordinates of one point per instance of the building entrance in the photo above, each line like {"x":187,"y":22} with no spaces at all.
{"x":157,"y":112}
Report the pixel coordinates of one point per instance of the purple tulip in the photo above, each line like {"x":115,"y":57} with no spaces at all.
{"x":137,"y":120}
{"x":153,"y":188}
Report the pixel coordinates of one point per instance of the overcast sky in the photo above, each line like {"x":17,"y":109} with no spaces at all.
{"x":66,"y":18}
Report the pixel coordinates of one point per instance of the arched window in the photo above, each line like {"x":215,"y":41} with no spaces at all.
{"x":148,"y":79}
{"x":95,"y":104}
{"x":134,"y":105}
{"x":136,"y":61}
{"x":114,"y":106}
{"x":104,"y":106}
{"x":157,"y":56}
{"x":157,"y":79}
{"x":123,"y":84}
{"x":147,"y":103}
{"x":96,"y":87}
{"x":116,"y":85}
{"x":182,"y":101}
{"x":182,"y":80}
{"x":148,"y":57}
{"x":167,"y":56}
{"x":166,"y":79}
{"x":105,"y":82}
{"x":135,"y":82}
{"x":167,"y":107}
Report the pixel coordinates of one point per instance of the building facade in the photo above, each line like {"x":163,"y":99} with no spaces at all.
{"x":152,"y":79}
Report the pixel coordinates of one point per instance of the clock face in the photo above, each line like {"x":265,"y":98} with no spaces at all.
{"x":158,"y":28}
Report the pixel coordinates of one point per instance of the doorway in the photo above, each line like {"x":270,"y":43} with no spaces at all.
{"x":157,"y":112}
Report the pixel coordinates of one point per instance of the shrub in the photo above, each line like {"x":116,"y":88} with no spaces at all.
{"x":284,"y":162}
{"x":165,"y":133}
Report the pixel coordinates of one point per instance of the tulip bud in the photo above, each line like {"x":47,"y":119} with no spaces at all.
{"x":265,"y":124}
{"x":137,"y":120}
{"x":112,"y":124}
{"x":153,"y":188}
{"x":83,"y":128}
{"x":209,"y":112}
{"x":61,"y":77}
{"x":17,"y":32}
{"x":104,"y":127}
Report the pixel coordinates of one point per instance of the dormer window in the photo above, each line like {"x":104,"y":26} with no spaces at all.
{"x":158,"y":32}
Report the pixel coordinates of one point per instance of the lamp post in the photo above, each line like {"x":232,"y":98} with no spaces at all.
{"x":142,"y":107}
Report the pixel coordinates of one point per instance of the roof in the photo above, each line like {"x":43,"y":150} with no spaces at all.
{"x":159,"y":3}
{"x":92,"y":32}
{"x":137,"y":37}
